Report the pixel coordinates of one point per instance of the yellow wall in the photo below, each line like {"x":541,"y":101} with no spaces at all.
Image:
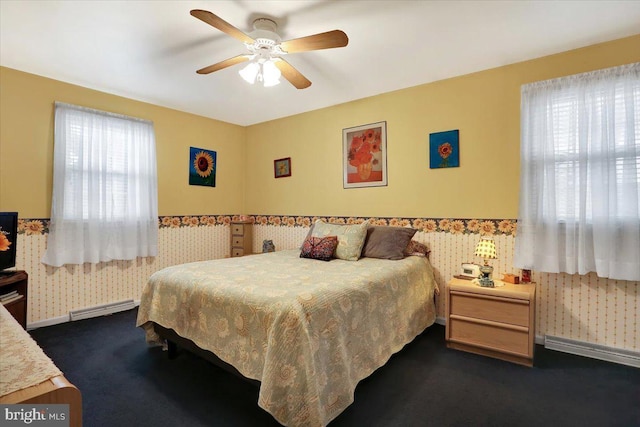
{"x":26,"y":148}
{"x":484,"y":106}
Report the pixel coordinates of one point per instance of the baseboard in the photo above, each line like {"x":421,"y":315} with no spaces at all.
{"x":595,"y":351}
{"x":86,"y":313}
{"x":48,"y":322}
{"x":441,"y":321}
{"x":101,"y":310}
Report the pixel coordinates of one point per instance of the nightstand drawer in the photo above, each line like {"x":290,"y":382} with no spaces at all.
{"x":237,"y":241}
{"x":237,"y":252}
{"x":505,"y":310}
{"x":490,"y":336}
{"x":237,"y":229}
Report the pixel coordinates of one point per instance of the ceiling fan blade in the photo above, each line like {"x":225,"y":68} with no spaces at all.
{"x":328,"y":40}
{"x":221,"y":24}
{"x":223,"y":64}
{"x":294,"y":76}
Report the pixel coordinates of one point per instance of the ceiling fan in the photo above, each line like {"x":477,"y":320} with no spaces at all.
{"x":266,"y":50}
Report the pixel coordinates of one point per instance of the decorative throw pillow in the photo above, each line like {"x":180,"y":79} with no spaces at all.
{"x":321,"y":248}
{"x":350,"y":238}
{"x":387,"y":242}
{"x":417,"y":249}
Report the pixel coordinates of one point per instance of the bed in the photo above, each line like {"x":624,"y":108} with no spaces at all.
{"x":28,"y":376}
{"x":308,"y":331}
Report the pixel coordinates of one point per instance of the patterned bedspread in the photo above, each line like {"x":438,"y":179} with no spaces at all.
{"x":308,"y":330}
{"x":22,"y":362}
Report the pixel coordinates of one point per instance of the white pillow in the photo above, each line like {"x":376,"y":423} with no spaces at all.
{"x":350,"y":237}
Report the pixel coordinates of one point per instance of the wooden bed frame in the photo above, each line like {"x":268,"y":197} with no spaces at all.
{"x":57,"y":390}
{"x":175,"y":341}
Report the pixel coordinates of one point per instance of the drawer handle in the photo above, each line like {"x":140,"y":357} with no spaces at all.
{"x":489,"y":297}
{"x":490,"y":323}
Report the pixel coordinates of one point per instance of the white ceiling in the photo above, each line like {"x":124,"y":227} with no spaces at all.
{"x":150,"y":50}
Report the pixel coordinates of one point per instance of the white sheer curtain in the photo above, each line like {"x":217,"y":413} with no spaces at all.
{"x":105,"y":197}
{"x":580,"y":175}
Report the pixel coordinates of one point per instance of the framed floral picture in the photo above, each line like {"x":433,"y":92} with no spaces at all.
{"x":202,"y":167}
{"x":282,"y":167}
{"x":364,"y":155}
{"x":444,"y":149}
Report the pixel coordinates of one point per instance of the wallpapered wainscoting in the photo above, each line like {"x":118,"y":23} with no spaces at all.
{"x":582,"y":308}
{"x":53,"y":292}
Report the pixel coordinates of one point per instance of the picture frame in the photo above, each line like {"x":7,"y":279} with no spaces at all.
{"x":444,"y":149}
{"x":364,"y":155}
{"x":202,"y":167}
{"x":282,"y":167}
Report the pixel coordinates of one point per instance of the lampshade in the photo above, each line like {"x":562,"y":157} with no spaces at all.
{"x":250,"y":72}
{"x":486,"y":249}
{"x":262,"y":70}
{"x":270,"y":74}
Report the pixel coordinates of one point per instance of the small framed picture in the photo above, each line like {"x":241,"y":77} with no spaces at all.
{"x":202,"y":167}
{"x":444,"y":149}
{"x":282,"y":167}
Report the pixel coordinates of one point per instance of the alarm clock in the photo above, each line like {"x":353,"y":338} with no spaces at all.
{"x":469,"y":270}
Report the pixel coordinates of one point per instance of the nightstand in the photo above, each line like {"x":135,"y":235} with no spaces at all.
{"x":497,"y":322}
{"x":241,"y":238}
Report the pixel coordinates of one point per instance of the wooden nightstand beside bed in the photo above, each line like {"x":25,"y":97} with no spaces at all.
{"x":497,"y":322}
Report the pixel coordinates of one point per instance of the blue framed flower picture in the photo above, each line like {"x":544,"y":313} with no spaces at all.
{"x":444,"y":149}
{"x":202,"y":167}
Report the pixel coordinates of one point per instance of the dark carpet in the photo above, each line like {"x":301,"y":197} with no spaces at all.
{"x":126,"y":383}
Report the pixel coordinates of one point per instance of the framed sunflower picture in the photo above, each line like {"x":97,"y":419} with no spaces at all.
{"x":202,"y":167}
{"x":364,"y":156}
{"x":444,"y":149}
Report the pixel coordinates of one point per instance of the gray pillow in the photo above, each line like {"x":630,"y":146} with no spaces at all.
{"x":387,"y":242}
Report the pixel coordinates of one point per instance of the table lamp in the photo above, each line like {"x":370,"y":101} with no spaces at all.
{"x":486,"y":249}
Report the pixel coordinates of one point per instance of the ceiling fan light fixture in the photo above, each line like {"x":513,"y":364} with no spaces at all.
{"x":262,"y":71}
{"x":250,"y":72}
{"x":265,"y":48}
{"x":270,"y":74}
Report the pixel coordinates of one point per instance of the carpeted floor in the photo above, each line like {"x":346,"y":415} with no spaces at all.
{"x":125,"y":383}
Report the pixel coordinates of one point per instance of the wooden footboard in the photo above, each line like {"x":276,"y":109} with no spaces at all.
{"x":57,"y":390}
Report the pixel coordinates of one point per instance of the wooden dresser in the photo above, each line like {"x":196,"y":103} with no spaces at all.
{"x":241,"y":238}
{"x":497,"y":322}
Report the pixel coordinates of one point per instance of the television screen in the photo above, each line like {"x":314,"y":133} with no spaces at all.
{"x":8,"y":239}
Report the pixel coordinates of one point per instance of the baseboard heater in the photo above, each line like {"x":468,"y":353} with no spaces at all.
{"x":595,"y":351}
{"x":101,"y":310}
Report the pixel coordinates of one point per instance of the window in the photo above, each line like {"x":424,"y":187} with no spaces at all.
{"x":104,"y":204}
{"x":580,"y":174}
